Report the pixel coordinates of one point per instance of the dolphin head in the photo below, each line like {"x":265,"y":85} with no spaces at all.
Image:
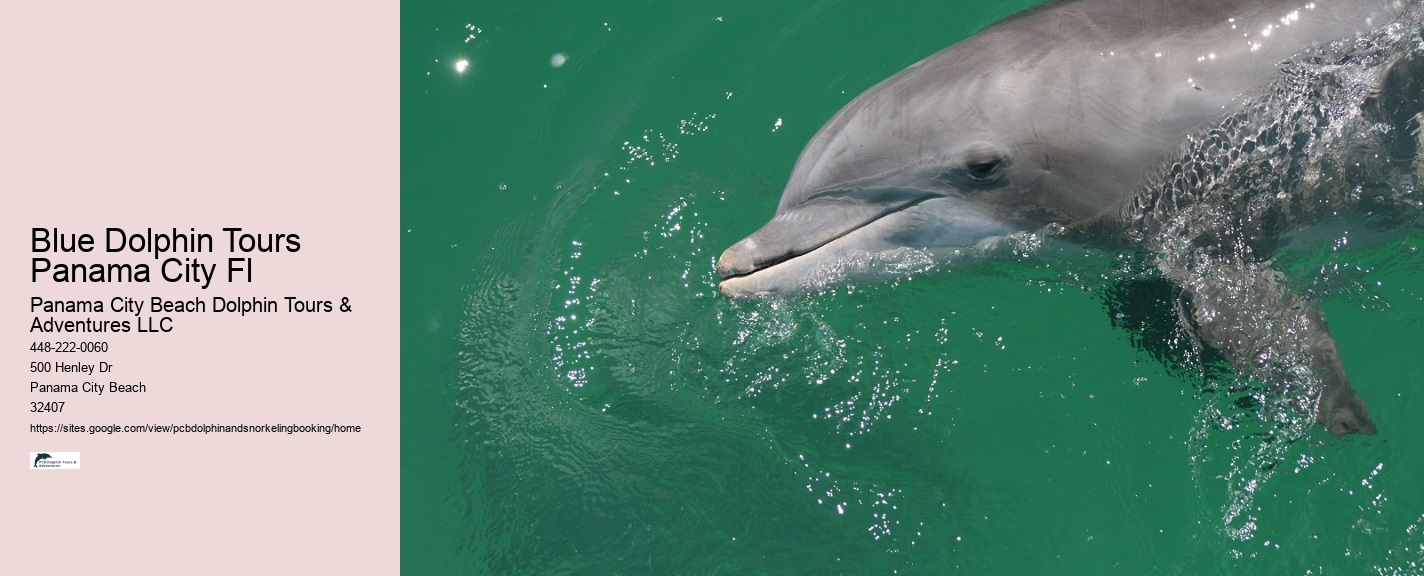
{"x":1048,"y":117}
{"x":959,"y":149}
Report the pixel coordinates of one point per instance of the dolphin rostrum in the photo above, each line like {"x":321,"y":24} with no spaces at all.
{"x":1198,"y":130}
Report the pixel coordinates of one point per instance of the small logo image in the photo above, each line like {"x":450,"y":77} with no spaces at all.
{"x":54,"y":460}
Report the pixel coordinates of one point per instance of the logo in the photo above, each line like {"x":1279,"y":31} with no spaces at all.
{"x":54,"y":460}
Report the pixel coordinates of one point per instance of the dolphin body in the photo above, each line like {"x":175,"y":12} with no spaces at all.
{"x":1192,"y":129}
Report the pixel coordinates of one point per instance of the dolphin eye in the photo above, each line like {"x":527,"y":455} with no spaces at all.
{"x":980,"y":168}
{"x":983,"y":170}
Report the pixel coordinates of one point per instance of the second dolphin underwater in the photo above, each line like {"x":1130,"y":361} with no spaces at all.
{"x":1201,"y":131}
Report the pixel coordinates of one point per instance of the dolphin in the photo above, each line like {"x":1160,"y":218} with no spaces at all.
{"x":40,"y":456}
{"x":1161,"y":125}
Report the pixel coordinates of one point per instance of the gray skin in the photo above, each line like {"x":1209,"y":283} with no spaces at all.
{"x":1051,"y":119}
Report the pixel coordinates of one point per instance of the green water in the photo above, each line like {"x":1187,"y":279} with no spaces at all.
{"x":578,"y":399}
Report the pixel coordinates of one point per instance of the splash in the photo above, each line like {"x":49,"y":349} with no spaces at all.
{"x":1315,"y":147}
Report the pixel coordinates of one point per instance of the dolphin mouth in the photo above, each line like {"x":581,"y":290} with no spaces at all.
{"x":800,"y":232}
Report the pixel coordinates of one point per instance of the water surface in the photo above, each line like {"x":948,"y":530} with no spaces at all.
{"x":579,"y":399}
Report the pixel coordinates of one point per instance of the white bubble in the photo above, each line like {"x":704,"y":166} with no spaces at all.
{"x":558,"y":59}
{"x":461,"y":66}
